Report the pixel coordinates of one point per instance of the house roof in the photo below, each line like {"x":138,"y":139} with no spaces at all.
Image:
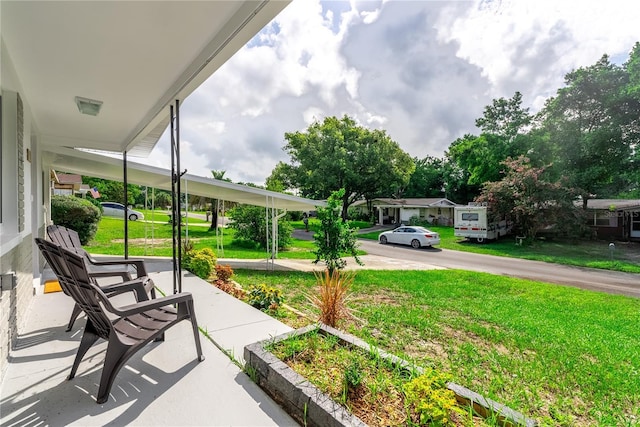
{"x":137,"y":57}
{"x":616,"y":204}
{"x":66,"y":178}
{"x":410,"y":202}
{"x":84,"y":163}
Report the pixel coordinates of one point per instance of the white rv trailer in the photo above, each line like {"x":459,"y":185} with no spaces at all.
{"x":473,"y":222}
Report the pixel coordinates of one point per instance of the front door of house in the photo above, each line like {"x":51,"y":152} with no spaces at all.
{"x":635,"y":224}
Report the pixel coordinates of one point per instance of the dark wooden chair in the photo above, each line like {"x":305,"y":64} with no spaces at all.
{"x":69,"y":239}
{"x":127,"y":329}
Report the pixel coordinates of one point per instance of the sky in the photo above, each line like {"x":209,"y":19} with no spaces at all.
{"x":421,"y":70}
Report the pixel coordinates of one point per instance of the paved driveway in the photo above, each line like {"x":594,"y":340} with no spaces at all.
{"x":586,"y":278}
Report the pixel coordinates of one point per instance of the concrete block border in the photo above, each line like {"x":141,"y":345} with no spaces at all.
{"x":310,"y":407}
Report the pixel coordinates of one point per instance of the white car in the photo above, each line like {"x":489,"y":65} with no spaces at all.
{"x":117,"y":210}
{"x":417,"y":237}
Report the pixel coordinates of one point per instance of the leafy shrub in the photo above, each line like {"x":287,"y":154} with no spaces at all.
{"x":356,"y":214}
{"x":429,"y":399}
{"x":230,"y":288}
{"x":250,"y":224}
{"x":201,"y":262}
{"x":420,"y":222}
{"x":242,"y":243}
{"x":332,"y":296}
{"x":264,"y":297}
{"x":77,"y":214}
{"x":224,"y":272}
{"x":294,"y":216}
{"x":334,"y":237}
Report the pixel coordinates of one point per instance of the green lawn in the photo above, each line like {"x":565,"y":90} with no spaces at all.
{"x":594,"y":254}
{"x":148,"y":238}
{"x":162,"y":216}
{"x":561,"y":355}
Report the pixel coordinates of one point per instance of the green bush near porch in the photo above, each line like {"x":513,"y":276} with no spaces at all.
{"x":77,"y":214}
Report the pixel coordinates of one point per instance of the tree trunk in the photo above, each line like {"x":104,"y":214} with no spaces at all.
{"x":214,"y":214}
{"x":345,"y":207}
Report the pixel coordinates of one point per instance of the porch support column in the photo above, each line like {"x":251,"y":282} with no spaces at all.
{"x":126,"y":206}
{"x":175,"y":197}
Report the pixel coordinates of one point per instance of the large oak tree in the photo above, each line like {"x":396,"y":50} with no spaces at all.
{"x":339,"y":153}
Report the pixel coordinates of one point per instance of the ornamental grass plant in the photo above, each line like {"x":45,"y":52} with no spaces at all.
{"x":333,"y":293}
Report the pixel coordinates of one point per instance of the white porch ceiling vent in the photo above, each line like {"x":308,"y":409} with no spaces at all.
{"x":88,"y":106}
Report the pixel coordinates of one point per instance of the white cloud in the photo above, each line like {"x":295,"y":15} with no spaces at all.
{"x":534,"y":44}
{"x":422,"y":70}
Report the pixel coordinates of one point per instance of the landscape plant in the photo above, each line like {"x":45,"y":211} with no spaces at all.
{"x":77,"y":214}
{"x":224,"y":283}
{"x":331,"y":295}
{"x":200,"y":262}
{"x":251,"y":225}
{"x":334,"y":237}
{"x":428,"y":399}
{"x":264,"y":297}
{"x":224,"y":272}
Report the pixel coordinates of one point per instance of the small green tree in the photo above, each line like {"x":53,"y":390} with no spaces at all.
{"x":77,"y":214}
{"x":334,"y":238}
{"x":251,"y":225}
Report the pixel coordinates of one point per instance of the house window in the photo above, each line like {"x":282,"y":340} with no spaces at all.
{"x":605,"y":219}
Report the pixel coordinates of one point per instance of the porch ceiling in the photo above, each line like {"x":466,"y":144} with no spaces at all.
{"x":83,"y":163}
{"x":136,"y":57}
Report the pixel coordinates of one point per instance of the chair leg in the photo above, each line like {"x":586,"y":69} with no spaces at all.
{"x":74,"y":315}
{"x":114,"y":360}
{"x":89,"y":337}
{"x":196,"y":332}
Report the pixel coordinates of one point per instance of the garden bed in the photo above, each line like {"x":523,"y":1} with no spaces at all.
{"x":311,"y":407}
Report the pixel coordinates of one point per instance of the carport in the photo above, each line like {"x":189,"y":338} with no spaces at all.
{"x":106,"y":167}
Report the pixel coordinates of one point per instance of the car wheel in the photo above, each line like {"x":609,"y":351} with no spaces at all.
{"x":133,"y":217}
{"x":480,"y":240}
{"x":415,"y":243}
{"x":383,"y":240}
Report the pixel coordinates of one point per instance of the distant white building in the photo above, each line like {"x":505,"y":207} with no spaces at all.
{"x":438,"y":211}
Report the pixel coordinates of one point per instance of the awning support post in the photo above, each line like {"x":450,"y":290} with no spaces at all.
{"x":126,"y":206}
{"x":175,"y":197}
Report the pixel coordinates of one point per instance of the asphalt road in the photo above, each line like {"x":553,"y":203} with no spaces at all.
{"x":586,"y":278}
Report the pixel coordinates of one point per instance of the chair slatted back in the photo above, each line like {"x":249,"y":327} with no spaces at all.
{"x":73,"y":275}
{"x":65,"y":237}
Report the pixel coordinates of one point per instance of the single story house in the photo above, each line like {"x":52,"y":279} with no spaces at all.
{"x":615,"y":218}
{"x":68,"y":184}
{"x":437,"y":211}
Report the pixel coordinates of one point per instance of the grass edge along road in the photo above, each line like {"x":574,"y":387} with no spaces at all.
{"x":563,"y":356}
{"x":592,"y":254}
{"x":584,"y":253}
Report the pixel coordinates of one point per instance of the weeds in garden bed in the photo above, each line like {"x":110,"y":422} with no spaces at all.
{"x":371,"y":387}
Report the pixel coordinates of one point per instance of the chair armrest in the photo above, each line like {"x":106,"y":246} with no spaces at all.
{"x":136,"y":286}
{"x":137,"y":263}
{"x":124,"y":274}
{"x":129,"y":310}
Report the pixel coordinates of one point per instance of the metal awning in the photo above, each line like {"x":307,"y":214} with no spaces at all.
{"x":90,"y":164}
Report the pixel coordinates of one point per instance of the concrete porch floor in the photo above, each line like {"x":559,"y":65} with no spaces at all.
{"x":162,"y":385}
